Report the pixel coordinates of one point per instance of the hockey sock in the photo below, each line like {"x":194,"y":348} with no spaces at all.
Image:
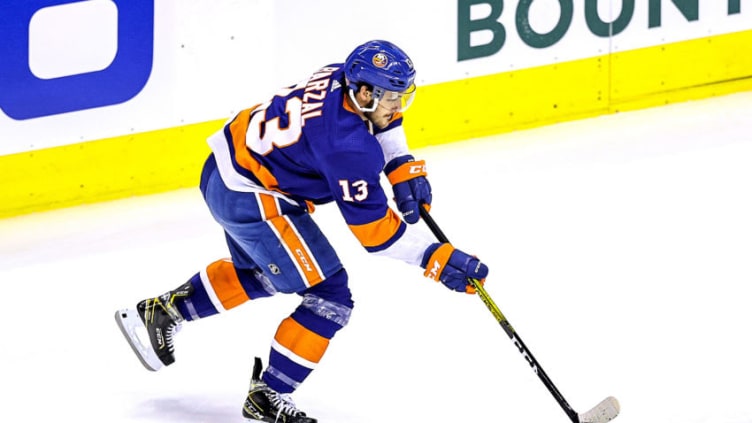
{"x":220,"y":287}
{"x":303,"y":338}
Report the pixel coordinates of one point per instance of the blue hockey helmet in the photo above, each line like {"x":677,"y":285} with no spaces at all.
{"x":383,"y":66}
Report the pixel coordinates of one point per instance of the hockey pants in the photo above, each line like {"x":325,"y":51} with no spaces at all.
{"x":275,"y":246}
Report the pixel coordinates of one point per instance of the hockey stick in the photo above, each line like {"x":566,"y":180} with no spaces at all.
{"x":603,"y":412}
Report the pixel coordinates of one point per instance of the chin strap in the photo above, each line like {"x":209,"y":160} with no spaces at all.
{"x":351,"y":93}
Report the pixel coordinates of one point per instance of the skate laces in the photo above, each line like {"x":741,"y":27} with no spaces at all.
{"x":172,"y":316}
{"x":284,"y":404}
{"x":173,"y":326}
{"x":172,"y":329}
{"x":167,"y":302}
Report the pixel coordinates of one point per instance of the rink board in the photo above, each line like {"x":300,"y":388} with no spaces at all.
{"x":171,"y":158}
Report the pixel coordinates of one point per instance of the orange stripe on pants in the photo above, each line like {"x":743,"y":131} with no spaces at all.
{"x":304,"y":262}
{"x":224,"y":280}
{"x":268,"y":206}
{"x":301,"y":341}
{"x":300,"y":255}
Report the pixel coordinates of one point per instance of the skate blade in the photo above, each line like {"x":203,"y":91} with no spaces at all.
{"x":133,"y":329}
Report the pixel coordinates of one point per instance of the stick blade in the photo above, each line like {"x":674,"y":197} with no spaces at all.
{"x":605,"y":411}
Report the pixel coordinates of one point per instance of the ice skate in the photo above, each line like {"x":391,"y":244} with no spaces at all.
{"x":263,"y":404}
{"x":156,"y":319}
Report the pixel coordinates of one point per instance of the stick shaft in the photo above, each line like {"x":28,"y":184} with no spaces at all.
{"x":507,"y":327}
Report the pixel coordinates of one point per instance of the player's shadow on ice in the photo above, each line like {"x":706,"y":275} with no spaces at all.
{"x":189,"y":410}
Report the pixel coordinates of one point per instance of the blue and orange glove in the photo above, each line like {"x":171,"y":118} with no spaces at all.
{"x":410,"y":186}
{"x":452,"y":267}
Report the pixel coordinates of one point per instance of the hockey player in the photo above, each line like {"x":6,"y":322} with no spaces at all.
{"x":326,"y":139}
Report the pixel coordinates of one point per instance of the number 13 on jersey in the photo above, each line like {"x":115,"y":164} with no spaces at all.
{"x":357,"y":191}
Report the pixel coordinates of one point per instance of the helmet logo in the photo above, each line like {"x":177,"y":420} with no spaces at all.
{"x":379,"y":60}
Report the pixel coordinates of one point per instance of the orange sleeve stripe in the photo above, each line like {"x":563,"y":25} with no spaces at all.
{"x":238,"y":130}
{"x":301,"y":341}
{"x":407,"y":171}
{"x":225,"y":283}
{"x":437,"y":261}
{"x":377,"y":232}
{"x":300,"y":255}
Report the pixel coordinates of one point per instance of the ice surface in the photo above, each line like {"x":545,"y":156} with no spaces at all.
{"x":620,"y":248}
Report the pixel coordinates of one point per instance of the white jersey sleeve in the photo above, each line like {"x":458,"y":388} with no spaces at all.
{"x":393,"y":143}
{"x":410,"y":247}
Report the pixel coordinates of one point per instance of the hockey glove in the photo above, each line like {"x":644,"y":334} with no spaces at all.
{"x":452,"y":267}
{"x":410,"y":186}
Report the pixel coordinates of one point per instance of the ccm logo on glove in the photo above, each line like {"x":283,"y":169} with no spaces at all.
{"x":418,"y":169}
{"x":410,"y":186}
{"x":434,"y":272}
{"x":407,"y":171}
{"x":453,"y":268}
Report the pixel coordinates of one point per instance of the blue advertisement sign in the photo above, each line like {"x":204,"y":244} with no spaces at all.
{"x":23,"y":95}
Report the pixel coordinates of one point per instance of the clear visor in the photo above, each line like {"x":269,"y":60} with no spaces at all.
{"x":397,"y":101}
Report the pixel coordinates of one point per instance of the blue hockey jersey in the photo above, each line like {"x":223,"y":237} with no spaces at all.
{"x":307,"y":145}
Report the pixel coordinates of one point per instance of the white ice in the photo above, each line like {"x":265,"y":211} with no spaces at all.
{"x":620,"y":248}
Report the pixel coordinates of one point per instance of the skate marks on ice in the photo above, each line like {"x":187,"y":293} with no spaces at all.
{"x":188,"y":409}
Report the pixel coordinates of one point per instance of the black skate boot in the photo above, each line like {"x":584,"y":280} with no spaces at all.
{"x":263,"y":404}
{"x":161,"y":319}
